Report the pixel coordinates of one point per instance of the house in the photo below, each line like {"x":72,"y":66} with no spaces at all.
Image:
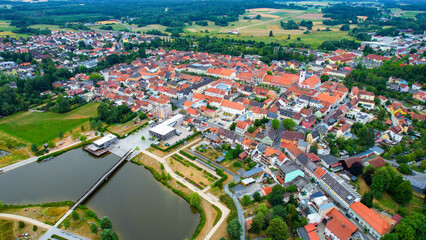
{"x":338,"y":226}
{"x":241,"y":127}
{"x":289,"y":171}
{"x":337,"y":188}
{"x":374,"y":222}
{"x":309,"y":121}
{"x":266,"y":190}
{"x":327,"y":160}
{"x":311,"y":83}
{"x":253,"y":172}
{"x":290,"y":137}
{"x":232,"y":107}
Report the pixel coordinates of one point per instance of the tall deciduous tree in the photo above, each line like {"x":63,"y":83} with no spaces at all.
{"x":234,"y":229}
{"x":106,"y":223}
{"x":194,"y":199}
{"x":277,"y":229}
{"x":276,"y":124}
{"x":288,"y":124}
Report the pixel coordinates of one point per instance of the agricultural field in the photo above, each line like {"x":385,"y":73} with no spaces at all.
{"x":6,"y":30}
{"x":40,"y":127}
{"x":407,"y":14}
{"x":258,"y":29}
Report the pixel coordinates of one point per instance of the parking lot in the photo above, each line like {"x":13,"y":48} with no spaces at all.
{"x":133,"y":141}
{"x":175,"y":138}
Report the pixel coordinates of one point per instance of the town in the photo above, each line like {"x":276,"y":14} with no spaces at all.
{"x":320,"y":146}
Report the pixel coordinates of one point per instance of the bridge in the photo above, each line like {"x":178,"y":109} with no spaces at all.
{"x":96,"y":186}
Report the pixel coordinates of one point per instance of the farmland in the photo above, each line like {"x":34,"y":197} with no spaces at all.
{"x":259,"y":29}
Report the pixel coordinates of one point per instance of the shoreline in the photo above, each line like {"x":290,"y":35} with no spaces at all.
{"x":200,"y":210}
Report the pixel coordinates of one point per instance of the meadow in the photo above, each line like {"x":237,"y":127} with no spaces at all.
{"x":40,"y":127}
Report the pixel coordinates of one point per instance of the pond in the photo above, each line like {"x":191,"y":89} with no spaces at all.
{"x":138,"y":205}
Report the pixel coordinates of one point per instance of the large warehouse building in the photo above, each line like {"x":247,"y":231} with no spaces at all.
{"x":166,"y":129}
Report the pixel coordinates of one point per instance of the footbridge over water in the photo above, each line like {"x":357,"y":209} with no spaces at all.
{"x":95,"y":186}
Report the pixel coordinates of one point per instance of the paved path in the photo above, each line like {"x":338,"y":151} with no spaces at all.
{"x":62,"y":233}
{"x":25,"y":219}
{"x":235,"y":177}
{"x":214,"y":201}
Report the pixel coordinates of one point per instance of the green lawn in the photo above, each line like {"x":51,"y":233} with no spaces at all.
{"x":38,"y":128}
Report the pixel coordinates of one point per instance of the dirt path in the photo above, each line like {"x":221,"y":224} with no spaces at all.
{"x":25,"y":219}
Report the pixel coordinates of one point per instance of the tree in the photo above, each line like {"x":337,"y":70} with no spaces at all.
{"x":51,"y":144}
{"x":1,"y":205}
{"x":82,"y":127}
{"x":234,"y":229}
{"x":246,"y":200}
{"x":34,"y":147}
{"x":381,"y":179}
{"x":35,"y":228}
{"x":276,"y":197}
{"x":143,"y":138}
{"x":75,"y":216}
{"x":276,"y":124}
{"x":405,"y":231}
{"x":83,"y":138}
{"x":277,"y":229}
{"x":233,"y":126}
{"x":108,"y":234}
{"x":106,"y":223}
{"x":143,"y":116}
{"x":62,"y":105}
{"x":66,"y":223}
{"x":404,"y":193}
{"x":288,"y":124}
{"x":279,"y":211}
{"x":345,"y":27}
{"x":367,"y":199}
{"x":258,"y":222}
{"x":271,"y":34}
{"x":382,"y":114}
{"x":404,"y":168}
{"x":367,"y":174}
{"x":194,"y":199}
{"x":257,"y":197}
{"x":21,"y":224}
{"x":356,"y":169}
{"x":324,"y":78}
{"x":94,"y":228}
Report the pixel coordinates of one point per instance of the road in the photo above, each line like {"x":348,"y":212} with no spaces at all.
{"x":235,"y":178}
{"x":210,"y":199}
{"x":25,"y":219}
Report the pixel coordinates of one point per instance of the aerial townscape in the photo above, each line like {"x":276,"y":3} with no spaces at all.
{"x":214,"y":119}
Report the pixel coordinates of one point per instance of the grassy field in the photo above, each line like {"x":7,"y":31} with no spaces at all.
{"x":258,"y":29}
{"x":6,"y":30}
{"x":6,"y":229}
{"x":387,"y":203}
{"x":38,"y":128}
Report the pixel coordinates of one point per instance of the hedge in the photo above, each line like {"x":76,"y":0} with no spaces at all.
{"x":218,"y":216}
{"x":219,"y":183}
{"x":176,"y":144}
{"x":66,"y":149}
{"x":181,"y":194}
{"x":58,"y":237}
{"x":187,"y":155}
{"x":227,"y":200}
{"x":52,"y":204}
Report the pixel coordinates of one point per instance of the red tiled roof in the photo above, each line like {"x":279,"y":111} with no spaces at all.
{"x":339,"y":225}
{"x":371,"y":217}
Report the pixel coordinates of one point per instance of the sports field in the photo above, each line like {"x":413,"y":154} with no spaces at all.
{"x":38,"y":128}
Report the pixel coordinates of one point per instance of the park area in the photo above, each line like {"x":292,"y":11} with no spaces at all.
{"x":40,"y":127}
{"x":10,"y":229}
